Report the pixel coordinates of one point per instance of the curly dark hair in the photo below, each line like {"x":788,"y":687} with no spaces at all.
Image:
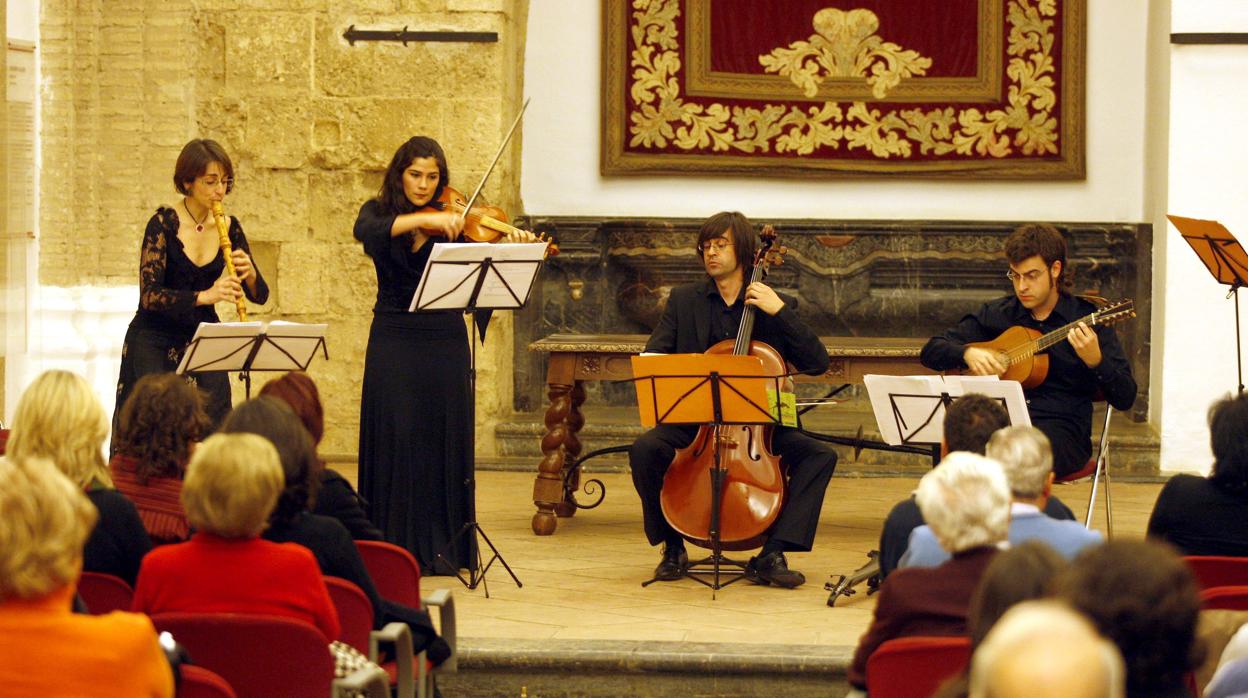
{"x":160,"y":420}
{"x":274,"y":420}
{"x":971,"y":421}
{"x":1228,"y":420}
{"x":391,"y":195}
{"x":1041,"y":239}
{"x":296,"y":389}
{"x":1142,"y":596}
{"x":1022,"y":573}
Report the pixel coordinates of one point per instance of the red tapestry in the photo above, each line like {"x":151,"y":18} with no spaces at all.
{"x":973,"y":88}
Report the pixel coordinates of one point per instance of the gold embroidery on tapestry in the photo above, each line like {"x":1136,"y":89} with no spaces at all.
{"x":846,"y":45}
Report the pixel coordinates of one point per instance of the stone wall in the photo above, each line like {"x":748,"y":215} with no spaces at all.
{"x":310,"y":122}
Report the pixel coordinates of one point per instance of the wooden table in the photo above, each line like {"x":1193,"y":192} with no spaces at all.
{"x":577,"y":358}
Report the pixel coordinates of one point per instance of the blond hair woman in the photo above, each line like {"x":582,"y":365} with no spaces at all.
{"x":44,"y":648}
{"x":59,"y":418}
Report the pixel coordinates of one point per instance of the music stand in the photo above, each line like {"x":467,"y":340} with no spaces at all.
{"x":1225,"y":259}
{"x":275,"y":345}
{"x":911,"y":410}
{"x":469,"y":277}
{"x":715,"y":390}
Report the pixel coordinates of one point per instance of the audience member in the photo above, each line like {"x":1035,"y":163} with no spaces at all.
{"x":59,"y":418}
{"x":969,"y":422}
{"x":324,"y":536}
{"x":1141,"y":596}
{"x":1019,"y":574}
{"x":1024,"y":455}
{"x":45,"y":649}
{"x":966,"y":501}
{"x":231,"y":486}
{"x":1043,"y":649}
{"x":1231,"y":678}
{"x":1209,"y":515}
{"x":159,"y":424}
{"x":336,"y":497}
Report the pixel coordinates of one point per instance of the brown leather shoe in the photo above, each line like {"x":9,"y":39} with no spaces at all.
{"x":773,"y":569}
{"x":674,"y":565}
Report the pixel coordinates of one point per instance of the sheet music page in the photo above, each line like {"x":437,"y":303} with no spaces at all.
{"x":451,"y":275}
{"x":908,"y":409}
{"x":219,"y":346}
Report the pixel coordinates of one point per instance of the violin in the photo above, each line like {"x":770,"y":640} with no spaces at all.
{"x":753,"y":490}
{"x":482,"y":223}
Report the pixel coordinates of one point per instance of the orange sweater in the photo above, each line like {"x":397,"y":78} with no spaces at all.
{"x":45,"y":650}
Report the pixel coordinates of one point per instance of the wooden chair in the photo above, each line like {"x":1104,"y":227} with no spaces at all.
{"x":198,"y":682}
{"x":266,"y":656}
{"x":914,"y":667}
{"x":1097,"y":468}
{"x":1218,"y":571}
{"x":397,"y":576}
{"x":355,"y":620}
{"x":1225,"y":599}
{"x":104,"y":593}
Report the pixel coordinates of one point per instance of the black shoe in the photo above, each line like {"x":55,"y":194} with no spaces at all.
{"x":674,"y":565}
{"x":773,"y":569}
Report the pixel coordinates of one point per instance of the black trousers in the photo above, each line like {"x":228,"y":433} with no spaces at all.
{"x":808,"y":463}
{"x":1072,"y":447}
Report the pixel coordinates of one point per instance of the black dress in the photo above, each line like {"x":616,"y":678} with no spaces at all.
{"x":416,"y":435}
{"x":167,"y":316}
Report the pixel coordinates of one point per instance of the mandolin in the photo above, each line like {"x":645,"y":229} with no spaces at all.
{"x":1019,"y":347}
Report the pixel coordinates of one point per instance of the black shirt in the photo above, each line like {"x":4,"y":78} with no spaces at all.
{"x":1200,"y":518}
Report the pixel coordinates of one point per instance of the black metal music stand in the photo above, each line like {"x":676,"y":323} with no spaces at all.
{"x":468,"y":278}
{"x":252,"y":346}
{"x":716,"y":390}
{"x":1225,"y":259}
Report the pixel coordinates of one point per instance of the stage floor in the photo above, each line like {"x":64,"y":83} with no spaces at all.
{"x":584,"y":582}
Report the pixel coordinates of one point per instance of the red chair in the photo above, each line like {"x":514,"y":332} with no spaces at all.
{"x":1225,"y":599}
{"x":198,"y":682}
{"x":265,"y":656}
{"x":104,"y":593}
{"x":355,"y":620}
{"x":914,"y":667}
{"x":1218,"y":571}
{"x":397,"y":576}
{"x":1097,"y":469}
{"x":4,"y":440}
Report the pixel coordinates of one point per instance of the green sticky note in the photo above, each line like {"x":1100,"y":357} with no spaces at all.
{"x":784,"y":409}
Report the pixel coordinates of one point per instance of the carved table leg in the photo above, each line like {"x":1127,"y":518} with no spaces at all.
{"x":548,"y":487}
{"x":572,"y":450}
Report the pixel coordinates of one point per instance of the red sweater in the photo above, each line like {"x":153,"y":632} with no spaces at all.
{"x":157,"y":501}
{"x":210,"y":574}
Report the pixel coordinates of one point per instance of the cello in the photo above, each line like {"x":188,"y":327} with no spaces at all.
{"x":753,"y":486}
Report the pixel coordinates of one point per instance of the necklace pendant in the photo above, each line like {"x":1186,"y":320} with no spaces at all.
{"x":199,"y":228}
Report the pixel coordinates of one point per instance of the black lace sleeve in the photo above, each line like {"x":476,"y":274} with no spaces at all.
{"x":154,"y":294}
{"x":238,"y":241}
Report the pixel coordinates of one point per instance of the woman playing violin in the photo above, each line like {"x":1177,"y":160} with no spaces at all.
{"x":416,"y":436}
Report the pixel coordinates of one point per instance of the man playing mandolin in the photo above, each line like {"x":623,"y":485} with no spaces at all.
{"x":1090,"y":362}
{"x":697,"y":316}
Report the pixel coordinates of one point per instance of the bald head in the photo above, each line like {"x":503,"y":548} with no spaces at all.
{"x":1043,"y":649}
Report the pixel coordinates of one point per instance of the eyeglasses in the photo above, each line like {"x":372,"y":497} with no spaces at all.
{"x":717,"y":245}
{"x":1032,"y":276}
{"x":213,"y":182}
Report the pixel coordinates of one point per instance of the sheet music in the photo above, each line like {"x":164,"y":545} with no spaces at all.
{"x":288,"y":345}
{"x":451,"y":275}
{"x":908,"y":408}
{"x":224,"y":342}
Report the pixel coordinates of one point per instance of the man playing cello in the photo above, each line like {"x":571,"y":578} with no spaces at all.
{"x":1091,"y":360}
{"x":697,"y":316}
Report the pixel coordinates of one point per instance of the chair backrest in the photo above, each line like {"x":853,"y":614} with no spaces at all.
{"x":1218,"y":571}
{"x":198,"y":682}
{"x":393,"y":569}
{"x":1225,"y":598}
{"x":914,"y":667}
{"x":104,"y":593}
{"x":260,"y":656}
{"x":355,"y":612}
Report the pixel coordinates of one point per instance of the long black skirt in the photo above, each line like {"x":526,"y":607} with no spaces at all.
{"x":416,"y":435}
{"x":155,"y":350}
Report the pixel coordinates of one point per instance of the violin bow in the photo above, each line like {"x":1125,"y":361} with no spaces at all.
{"x":506,"y":139}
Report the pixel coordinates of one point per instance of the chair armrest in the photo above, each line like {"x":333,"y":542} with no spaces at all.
{"x":444,"y":601}
{"x":372,"y":682}
{"x":400,"y":637}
